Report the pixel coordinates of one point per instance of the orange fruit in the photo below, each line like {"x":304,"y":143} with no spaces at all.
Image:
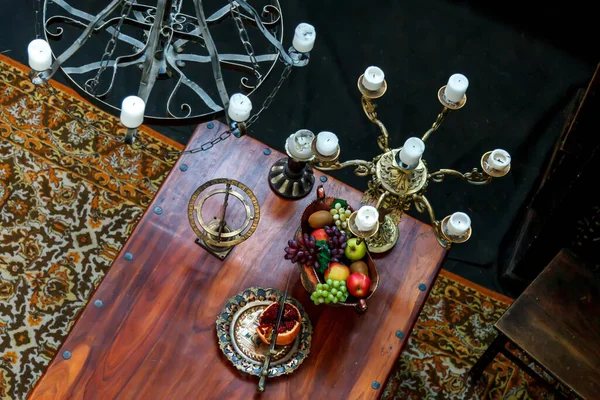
{"x":288,"y":329}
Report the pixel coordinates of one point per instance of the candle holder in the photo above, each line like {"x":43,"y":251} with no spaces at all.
{"x":130,"y":135}
{"x":361,"y":235}
{"x":394,"y":187}
{"x":291,"y":178}
{"x":445,"y":235}
{"x":36,"y":77}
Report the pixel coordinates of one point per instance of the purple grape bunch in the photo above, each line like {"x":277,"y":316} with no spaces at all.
{"x":303,"y":250}
{"x":337,"y":242}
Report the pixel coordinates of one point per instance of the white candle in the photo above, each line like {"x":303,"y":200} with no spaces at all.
{"x":304,"y":37}
{"x":458,"y":224}
{"x":373,"y":78}
{"x":411,"y":152}
{"x":499,"y":160}
{"x":456,"y":88}
{"x":299,"y":144}
{"x":327,"y":143}
{"x":366,"y":218}
{"x":40,"y":55}
{"x":240,"y":107}
{"x":132,"y":111}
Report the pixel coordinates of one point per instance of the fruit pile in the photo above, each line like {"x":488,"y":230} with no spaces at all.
{"x":337,"y":256}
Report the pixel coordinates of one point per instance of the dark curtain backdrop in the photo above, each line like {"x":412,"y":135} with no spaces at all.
{"x":524,"y":62}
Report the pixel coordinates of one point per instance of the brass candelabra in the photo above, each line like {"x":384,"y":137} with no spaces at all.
{"x":394,"y":185}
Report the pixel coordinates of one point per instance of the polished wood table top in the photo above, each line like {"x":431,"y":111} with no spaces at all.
{"x":556,"y":321}
{"x":154,"y":337}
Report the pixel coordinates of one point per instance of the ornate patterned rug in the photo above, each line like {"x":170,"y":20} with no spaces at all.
{"x":453,"y":330}
{"x":69,"y":198}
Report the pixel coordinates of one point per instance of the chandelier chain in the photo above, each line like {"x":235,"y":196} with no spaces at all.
{"x":286,"y":72}
{"x":243,"y":34}
{"x":92,"y":84}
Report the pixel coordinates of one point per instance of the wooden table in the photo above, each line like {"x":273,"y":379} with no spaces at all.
{"x":556,"y":322}
{"x":155,"y":338}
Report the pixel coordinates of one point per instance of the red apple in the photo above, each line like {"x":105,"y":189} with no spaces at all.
{"x":319,"y":234}
{"x":337,"y":272}
{"x":358,"y":284}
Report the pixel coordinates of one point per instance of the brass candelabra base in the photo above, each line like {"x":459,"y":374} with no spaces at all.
{"x":291,"y":179}
{"x":386,"y":237}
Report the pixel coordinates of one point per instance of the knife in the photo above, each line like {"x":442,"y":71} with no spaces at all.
{"x":265,"y":368}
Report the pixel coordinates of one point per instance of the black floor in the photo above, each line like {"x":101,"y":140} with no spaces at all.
{"x":523,"y":66}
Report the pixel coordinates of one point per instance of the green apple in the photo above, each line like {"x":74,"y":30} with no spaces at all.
{"x":355,"y":250}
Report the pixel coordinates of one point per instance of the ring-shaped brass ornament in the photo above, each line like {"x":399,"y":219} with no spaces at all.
{"x":229,"y":237}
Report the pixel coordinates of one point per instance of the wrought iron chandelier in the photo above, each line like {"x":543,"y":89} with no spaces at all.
{"x":170,"y":48}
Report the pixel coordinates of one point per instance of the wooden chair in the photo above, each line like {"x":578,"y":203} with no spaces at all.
{"x":556,"y":323}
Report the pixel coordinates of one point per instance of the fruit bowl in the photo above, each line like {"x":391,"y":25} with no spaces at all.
{"x":311,"y":277}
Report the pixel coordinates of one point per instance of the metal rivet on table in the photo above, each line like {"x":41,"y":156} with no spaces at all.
{"x":267,"y":151}
{"x":183,"y":167}
{"x":422,"y":287}
{"x":375,"y":385}
{"x":98,"y":303}
{"x":128,"y":256}
{"x":399,"y":334}
{"x":210,"y":125}
{"x":66,"y":355}
{"x":157,"y":210}
{"x":323,"y":178}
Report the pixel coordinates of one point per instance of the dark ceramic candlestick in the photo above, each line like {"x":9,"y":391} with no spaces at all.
{"x":291,"y":179}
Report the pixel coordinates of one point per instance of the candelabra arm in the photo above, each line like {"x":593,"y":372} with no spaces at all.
{"x":474,"y":177}
{"x":380,"y":200}
{"x":363,"y":168}
{"x":438,"y":122}
{"x":381,"y":209}
{"x":422,"y":205}
{"x":369,"y":109}
{"x":85,"y":35}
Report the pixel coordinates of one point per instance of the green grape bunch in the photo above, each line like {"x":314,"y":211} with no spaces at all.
{"x":330,"y":292}
{"x":341,"y":216}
